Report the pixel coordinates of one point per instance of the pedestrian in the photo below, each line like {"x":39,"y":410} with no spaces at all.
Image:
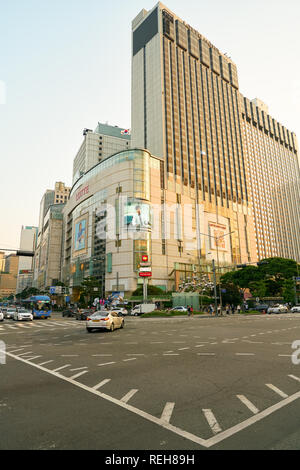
{"x":211,"y":309}
{"x":192,"y":311}
{"x":232,"y":309}
{"x":189,"y":310}
{"x":227,"y":310}
{"x":238,"y":309}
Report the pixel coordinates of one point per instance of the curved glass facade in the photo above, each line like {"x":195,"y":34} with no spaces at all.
{"x":141,"y":159}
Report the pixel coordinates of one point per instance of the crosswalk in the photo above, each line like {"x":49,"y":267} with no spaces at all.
{"x":9,"y":326}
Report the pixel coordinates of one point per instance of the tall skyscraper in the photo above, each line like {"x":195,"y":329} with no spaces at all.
{"x":187,"y":109}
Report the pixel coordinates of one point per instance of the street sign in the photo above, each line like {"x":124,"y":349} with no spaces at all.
{"x":147,"y":274}
{"x":146,"y":270}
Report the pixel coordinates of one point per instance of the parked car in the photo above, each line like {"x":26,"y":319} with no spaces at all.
{"x":10,"y":313}
{"x":69,"y":313}
{"x":23,"y":315}
{"x":105,"y":320}
{"x":1,"y":316}
{"x":261,"y":307}
{"x":179,"y":309}
{"x":278,"y":309}
{"x":82,"y":315}
{"x":296,"y":309}
{"x":122,"y":311}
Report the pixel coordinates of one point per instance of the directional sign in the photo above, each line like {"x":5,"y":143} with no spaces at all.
{"x":147,"y":274}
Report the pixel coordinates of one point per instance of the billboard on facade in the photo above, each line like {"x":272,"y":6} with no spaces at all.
{"x":137,"y":216}
{"x":81,"y":235}
{"x":218,"y":240}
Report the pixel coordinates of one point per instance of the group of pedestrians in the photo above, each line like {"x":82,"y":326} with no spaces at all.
{"x":228,"y":309}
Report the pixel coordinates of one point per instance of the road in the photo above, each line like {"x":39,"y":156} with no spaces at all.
{"x":159,"y":384}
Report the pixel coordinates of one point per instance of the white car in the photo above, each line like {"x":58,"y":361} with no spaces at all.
{"x":105,"y":320}
{"x":296,"y":309}
{"x":278,"y":309}
{"x":10,"y":312}
{"x":179,"y":309}
{"x":1,"y":316}
{"x":123,"y":311}
{"x":23,"y":315}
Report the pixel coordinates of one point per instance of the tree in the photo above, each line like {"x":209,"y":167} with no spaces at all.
{"x":289,"y":291}
{"x":232,"y":294}
{"x":265,"y":280}
{"x":152,"y":290}
{"x":90,"y":287}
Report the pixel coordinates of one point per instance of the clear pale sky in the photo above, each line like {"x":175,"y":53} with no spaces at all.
{"x":66,"y":64}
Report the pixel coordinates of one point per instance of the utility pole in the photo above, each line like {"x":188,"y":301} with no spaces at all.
{"x":215,"y":286}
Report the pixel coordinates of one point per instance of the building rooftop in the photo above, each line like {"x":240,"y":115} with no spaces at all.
{"x":113,"y":131}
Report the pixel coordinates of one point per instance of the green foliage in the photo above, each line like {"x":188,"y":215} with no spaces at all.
{"x":232,"y":295}
{"x":289,"y":291}
{"x":266,"y":280}
{"x":28,"y":292}
{"x":151,"y":290}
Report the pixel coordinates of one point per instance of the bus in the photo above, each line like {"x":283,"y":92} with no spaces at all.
{"x":40,"y":306}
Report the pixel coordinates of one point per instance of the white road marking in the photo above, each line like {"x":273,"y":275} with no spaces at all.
{"x":128,"y":396}
{"x":44,"y":363}
{"x":213,"y":423}
{"x":277,"y":390}
{"x":168,"y":354}
{"x":61,"y":368}
{"x":101,"y":384}
{"x":183,"y":349}
{"x":102,"y":355}
{"x":245,"y":354}
{"x":167,"y":413}
{"x":207,"y":443}
{"x":106,"y":364}
{"x":79,"y":375}
{"x":25,"y":353}
{"x":206,"y":354}
{"x":248,"y":404}
{"x":294,"y":377}
{"x":17,"y":350}
{"x":79,"y":368}
{"x":127,"y":360}
{"x":32,"y":358}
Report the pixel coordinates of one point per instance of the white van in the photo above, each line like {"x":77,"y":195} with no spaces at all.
{"x":143,"y":308}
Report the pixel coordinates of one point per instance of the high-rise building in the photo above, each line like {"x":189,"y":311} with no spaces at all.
{"x":274,"y":181}
{"x":47,"y":257}
{"x":187,"y":109}
{"x":98,"y":145}
{"x":28,"y":241}
{"x":8,"y":278}
{"x":2,"y":261}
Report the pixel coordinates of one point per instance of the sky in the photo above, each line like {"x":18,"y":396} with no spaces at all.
{"x":65,"y":65}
